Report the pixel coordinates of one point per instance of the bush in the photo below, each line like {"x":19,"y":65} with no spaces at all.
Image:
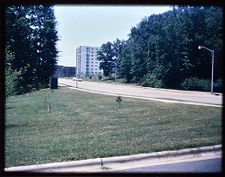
{"x":11,"y":81}
{"x":150,"y":80}
{"x":194,"y":83}
{"x":29,"y":88}
{"x":34,"y":89}
{"x":218,"y":86}
{"x":99,"y":77}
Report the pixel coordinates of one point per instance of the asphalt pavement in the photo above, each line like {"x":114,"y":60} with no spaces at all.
{"x":165,"y":95}
{"x":199,"y":166}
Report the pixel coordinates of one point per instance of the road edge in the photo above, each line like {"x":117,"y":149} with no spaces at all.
{"x":118,"y":159}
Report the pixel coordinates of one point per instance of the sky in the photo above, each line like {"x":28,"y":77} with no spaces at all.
{"x":83,"y":25}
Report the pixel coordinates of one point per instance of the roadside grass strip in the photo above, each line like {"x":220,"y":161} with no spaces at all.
{"x":165,"y":100}
{"x":66,"y":125}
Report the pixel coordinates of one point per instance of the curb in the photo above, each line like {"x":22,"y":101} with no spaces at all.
{"x":163,"y":154}
{"x":118,"y":159}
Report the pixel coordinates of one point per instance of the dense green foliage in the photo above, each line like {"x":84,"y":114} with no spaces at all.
{"x":106,"y":56}
{"x":196,"y":84}
{"x":31,"y":36}
{"x":162,"y":50}
{"x":109,"y":54}
{"x":11,"y":76}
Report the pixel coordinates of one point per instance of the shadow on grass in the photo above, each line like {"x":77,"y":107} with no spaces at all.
{"x":14,"y":125}
{"x":10,"y":107}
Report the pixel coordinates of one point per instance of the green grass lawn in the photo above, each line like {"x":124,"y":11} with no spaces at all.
{"x":84,"y":125}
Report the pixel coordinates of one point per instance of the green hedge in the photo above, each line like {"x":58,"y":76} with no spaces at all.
{"x":150,"y":80}
{"x":194,"y":83}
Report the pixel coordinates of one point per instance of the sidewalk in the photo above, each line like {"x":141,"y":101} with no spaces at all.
{"x":120,"y":163}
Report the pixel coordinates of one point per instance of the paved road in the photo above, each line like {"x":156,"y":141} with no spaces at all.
{"x":167,"y":94}
{"x":201,"y":166}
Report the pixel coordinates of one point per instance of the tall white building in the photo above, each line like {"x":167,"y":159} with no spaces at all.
{"x":86,"y":61}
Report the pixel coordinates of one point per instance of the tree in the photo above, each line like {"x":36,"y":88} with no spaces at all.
{"x":109,"y":55}
{"x":47,"y":52}
{"x":164,"y":47}
{"x":117,"y":49}
{"x":18,"y":39}
{"x":125,"y":63}
{"x":106,"y":57}
{"x":31,"y":36}
{"x":11,"y":76}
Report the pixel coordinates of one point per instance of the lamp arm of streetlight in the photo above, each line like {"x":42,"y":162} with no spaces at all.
{"x":207,"y":48}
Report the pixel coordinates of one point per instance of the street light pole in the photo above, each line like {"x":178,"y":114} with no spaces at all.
{"x":212,"y":72}
{"x":212,"y":51}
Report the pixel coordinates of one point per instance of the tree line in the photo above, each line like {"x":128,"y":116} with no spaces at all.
{"x":162,"y":50}
{"x":31,"y":54}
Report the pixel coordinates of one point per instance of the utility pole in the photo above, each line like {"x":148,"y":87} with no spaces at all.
{"x":212,"y":72}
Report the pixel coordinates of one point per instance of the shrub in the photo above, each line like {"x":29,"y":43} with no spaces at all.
{"x":34,"y":89}
{"x":11,"y":81}
{"x":218,"y":85}
{"x":194,"y":83}
{"x":150,"y":80}
{"x":29,"y":88}
{"x":99,"y":77}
